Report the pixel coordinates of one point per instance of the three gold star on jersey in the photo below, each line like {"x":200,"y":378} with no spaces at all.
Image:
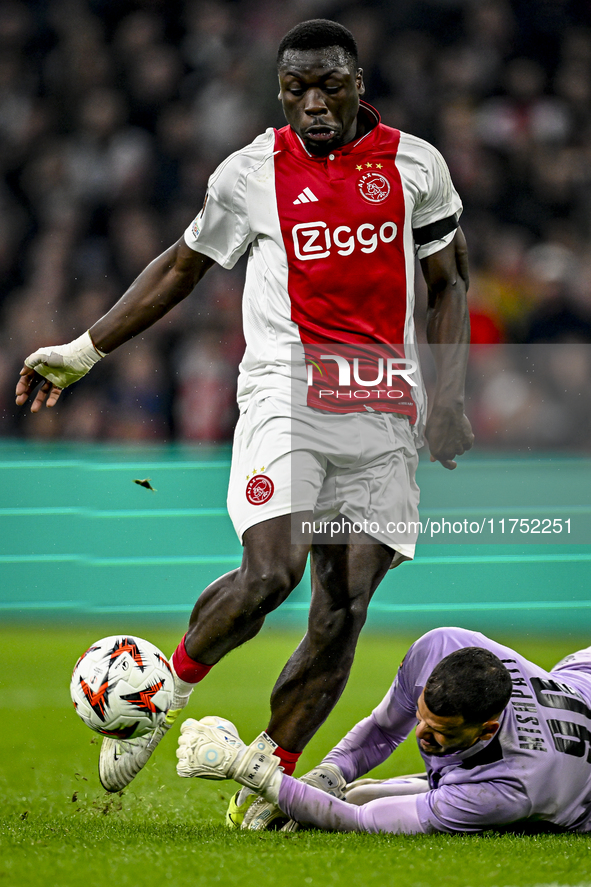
{"x":254,"y":471}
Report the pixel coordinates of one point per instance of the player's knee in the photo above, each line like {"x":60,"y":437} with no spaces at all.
{"x":358,"y":607}
{"x":267,"y":586}
{"x":339,"y":624}
{"x":346,"y":590}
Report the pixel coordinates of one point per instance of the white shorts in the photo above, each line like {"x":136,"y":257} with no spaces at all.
{"x":360,"y":465}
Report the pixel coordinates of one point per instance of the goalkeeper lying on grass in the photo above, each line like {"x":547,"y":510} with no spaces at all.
{"x":503,"y":741}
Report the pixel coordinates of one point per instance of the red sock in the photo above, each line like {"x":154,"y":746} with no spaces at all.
{"x":188,"y":669}
{"x":288,"y":759}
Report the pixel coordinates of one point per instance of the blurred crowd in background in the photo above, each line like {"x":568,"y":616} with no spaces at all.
{"x":114,"y":114}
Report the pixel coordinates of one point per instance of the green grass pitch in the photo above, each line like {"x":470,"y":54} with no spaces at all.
{"x":57,"y":827}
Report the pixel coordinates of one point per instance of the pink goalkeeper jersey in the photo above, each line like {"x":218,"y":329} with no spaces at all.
{"x":536,"y":768}
{"x":332,"y":254}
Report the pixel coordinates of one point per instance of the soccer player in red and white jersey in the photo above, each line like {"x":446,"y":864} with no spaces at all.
{"x":332,"y":209}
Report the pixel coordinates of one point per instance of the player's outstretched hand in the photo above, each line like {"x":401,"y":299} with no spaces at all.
{"x":449,"y":434}
{"x":60,"y":365}
{"x":28,"y":381}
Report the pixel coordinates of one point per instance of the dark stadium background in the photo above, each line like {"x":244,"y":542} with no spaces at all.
{"x":112,"y":117}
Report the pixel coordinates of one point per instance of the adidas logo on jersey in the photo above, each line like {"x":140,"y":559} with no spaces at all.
{"x":307,"y":196}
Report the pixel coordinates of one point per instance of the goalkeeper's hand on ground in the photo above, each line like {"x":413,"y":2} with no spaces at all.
{"x":62,"y":365}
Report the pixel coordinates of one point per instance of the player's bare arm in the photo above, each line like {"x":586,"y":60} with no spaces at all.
{"x":165,"y":282}
{"x":448,"y":332}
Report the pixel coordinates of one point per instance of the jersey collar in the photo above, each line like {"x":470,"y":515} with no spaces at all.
{"x":372,"y":119}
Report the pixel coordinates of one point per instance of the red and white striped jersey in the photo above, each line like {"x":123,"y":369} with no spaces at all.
{"x":332,"y":254}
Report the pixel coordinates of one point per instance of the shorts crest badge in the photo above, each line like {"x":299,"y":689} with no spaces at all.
{"x":259,"y":489}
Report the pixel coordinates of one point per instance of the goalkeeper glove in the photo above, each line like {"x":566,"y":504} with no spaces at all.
{"x":212,"y":749}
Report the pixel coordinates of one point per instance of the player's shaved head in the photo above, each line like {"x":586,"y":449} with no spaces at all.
{"x":472,"y":683}
{"x":320,"y":33}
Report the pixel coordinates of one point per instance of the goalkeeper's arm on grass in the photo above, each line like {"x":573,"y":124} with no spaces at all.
{"x":165,"y":282}
{"x":339,"y":777}
{"x":344,"y":764}
{"x":209,"y":750}
{"x":362,"y":749}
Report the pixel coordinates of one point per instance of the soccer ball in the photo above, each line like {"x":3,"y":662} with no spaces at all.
{"x":122,"y":686}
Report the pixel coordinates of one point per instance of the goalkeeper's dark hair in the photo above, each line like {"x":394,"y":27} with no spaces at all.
{"x":319,"y":33}
{"x":471,"y":682}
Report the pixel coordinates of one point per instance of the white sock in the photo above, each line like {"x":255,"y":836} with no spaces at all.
{"x":182,"y":690}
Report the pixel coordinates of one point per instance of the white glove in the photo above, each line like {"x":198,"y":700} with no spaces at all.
{"x":63,"y":365}
{"x":256,"y":769}
{"x":212,"y":749}
{"x":208,"y":748}
{"x":328,"y":778}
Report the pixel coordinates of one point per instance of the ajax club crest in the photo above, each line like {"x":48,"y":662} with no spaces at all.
{"x":374,"y":187}
{"x":259,"y":489}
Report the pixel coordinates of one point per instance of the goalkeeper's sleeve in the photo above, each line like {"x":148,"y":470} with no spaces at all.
{"x":364,"y":747}
{"x":308,"y":805}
